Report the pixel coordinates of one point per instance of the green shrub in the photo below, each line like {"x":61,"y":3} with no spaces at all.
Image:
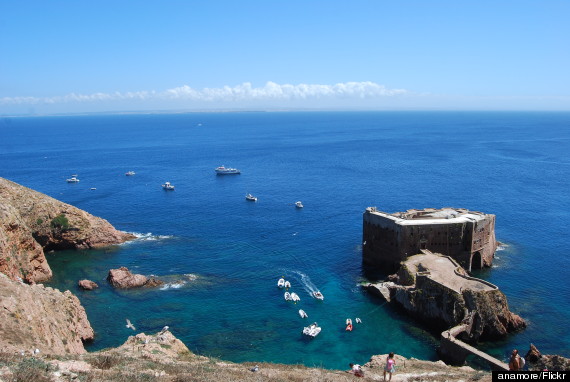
{"x":31,"y":369}
{"x":60,"y":222}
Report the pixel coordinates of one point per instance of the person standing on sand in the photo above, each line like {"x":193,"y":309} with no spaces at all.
{"x":390,"y":366}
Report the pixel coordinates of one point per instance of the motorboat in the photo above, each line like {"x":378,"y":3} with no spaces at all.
{"x":312,"y":330}
{"x":130,"y":173}
{"x":281,"y":282}
{"x":227,"y":171}
{"x":358,"y":320}
{"x":303,"y":314}
{"x":167,"y":186}
{"x":298,"y":204}
{"x":287,"y":284}
{"x":287,"y":296}
{"x":73,"y":179}
{"x":348,"y":325}
{"x":295,"y":297}
{"x":251,"y":198}
{"x":93,"y":188}
{"x":318,"y":295}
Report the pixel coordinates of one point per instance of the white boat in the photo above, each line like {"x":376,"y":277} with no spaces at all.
{"x":287,"y":284}
{"x":93,"y":188}
{"x":303,"y":314}
{"x":358,"y":320}
{"x":287,"y":296}
{"x":281,"y":282}
{"x":130,"y":173}
{"x":295,"y":297}
{"x":226,"y":170}
{"x":312,"y":330}
{"x":348,"y":321}
{"x":167,"y":186}
{"x":318,"y":295}
{"x":298,"y":204}
{"x":348,"y":325}
{"x":251,"y":198}
{"x":73,"y":179}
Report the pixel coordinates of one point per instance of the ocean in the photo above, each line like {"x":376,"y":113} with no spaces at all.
{"x":222,"y":255}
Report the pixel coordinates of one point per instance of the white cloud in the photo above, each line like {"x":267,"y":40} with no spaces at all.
{"x":243,"y":92}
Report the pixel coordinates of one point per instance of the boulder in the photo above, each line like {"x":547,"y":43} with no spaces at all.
{"x":533,"y":355}
{"x":87,"y":284}
{"x":122,"y":278}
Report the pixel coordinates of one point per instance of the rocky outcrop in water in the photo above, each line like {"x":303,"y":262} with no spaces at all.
{"x":37,"y":317}
{"x":32,"y":223}
{"x":123,"y":278}
{"x":87,"y":284}
{"x":435,"y":289}
{"x":538,"y":361}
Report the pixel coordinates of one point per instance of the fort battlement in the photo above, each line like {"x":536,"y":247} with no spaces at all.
{"x":467,"y":236}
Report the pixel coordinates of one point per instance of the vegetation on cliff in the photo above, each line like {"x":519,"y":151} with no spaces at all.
{"x":32,"y":223}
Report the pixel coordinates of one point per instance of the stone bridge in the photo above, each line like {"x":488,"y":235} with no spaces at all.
{"x":455,"y":351}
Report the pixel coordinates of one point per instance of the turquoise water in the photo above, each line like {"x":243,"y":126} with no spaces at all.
{"x":515,"y":165}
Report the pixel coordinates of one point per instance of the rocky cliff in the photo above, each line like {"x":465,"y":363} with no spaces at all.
{"x":37,"y":317}
{"x":32,"y":223}
{"x":435,"y":289}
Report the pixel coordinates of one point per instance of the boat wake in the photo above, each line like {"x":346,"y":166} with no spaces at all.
{"x":304,"y":280}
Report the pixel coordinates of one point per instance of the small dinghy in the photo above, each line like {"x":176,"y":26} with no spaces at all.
{"x":312,"y":330}
{"x":303,"y":314}
{"x":348,"y":325}
{"x":287,"y":296}
{"x":287,"y":284}
{"x":358,"y":320}
{"x":281,"y":283}
{"x":318,"y":295}
{"x":295,"y":297}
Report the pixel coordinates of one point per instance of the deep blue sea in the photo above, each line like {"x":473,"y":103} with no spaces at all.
{"x":514,"y":165}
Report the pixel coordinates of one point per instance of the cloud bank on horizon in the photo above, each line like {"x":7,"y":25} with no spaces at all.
{"x":243,"y":92}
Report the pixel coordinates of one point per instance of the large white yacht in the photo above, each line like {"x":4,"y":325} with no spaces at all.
{"x":226,"y":170}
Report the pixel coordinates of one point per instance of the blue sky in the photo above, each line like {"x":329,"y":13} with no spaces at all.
{"x":84,"y":56}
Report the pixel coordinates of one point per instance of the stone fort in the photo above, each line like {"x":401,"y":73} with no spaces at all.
{"x":466,"y":236}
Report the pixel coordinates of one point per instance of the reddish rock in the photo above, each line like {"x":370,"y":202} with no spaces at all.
{"x":87,"y":284}
{"x":38,"y":317}
{"x":123,"y":278}
{"x":32,"y":223}
{"x":533,"y":355}
{"x":153,"y":282}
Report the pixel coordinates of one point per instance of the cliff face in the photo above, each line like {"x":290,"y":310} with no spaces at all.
{"x":36,"y":317}
{"x":436,"y":290}
{"x":31,"y":223}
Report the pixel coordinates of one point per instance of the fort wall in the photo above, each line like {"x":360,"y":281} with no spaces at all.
{"x":466,"y":236}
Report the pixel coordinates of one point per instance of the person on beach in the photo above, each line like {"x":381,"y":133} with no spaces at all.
{"x":356,"y":370}
{"x":515,"y":362}
{"x":390,"y":366}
